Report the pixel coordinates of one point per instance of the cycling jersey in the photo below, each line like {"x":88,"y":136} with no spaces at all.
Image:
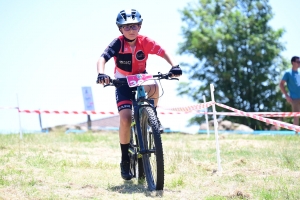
{"x":130,"y":61}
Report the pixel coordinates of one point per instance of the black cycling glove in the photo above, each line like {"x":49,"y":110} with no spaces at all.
{"x":102,"y":77}
{"x":176,"y":70}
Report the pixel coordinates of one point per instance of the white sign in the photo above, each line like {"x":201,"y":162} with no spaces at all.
{"x":88,"y":98}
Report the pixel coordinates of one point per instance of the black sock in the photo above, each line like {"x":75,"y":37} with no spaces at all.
{"x":124,"y":150}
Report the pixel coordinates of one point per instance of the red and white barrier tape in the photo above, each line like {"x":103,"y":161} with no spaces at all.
{"x":267,"y":114}
{"x":188,"y":110}
{"x":266,"y":120}
{"x":68,"y":112}
{"x":263,"y":114}
{"x":180,"y":110}
{"x":191,"y":108}
{"x":172,"y":113}
{"x":90,"y":112}
{"x":278,"y":114}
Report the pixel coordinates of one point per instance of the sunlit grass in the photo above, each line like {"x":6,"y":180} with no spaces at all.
{"x":86,"y":166}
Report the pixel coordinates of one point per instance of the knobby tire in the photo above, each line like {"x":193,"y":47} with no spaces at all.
{"x":153,"y":161}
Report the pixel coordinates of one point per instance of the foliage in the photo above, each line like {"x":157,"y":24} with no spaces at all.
{"x":238,"y":52}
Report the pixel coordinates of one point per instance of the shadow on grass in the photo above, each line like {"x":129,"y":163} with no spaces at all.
{"x":134,"y":187}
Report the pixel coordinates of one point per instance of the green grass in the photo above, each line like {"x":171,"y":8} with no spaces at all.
{"x":86,"y":166}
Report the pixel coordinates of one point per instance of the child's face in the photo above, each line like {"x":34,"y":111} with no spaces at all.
{"x":130,"y":31}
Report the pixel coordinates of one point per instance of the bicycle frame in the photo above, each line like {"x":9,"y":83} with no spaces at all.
{"x":145,"y":130}
{"x":137,"y":104}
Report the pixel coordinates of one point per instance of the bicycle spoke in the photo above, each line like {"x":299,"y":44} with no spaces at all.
{"x":153,"y":159}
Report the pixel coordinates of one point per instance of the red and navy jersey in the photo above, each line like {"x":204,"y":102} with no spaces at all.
{"x":128,"y":62}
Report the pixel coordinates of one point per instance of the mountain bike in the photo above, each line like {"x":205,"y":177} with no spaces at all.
{"x":146,"y":150}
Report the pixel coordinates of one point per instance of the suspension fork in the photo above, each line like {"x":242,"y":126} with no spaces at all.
{"x":138,"y":127}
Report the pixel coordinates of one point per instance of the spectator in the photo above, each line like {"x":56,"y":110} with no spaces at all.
{"x":292,"y":79}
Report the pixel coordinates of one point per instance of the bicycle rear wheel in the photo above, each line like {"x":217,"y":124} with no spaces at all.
{"x":153,"y":160}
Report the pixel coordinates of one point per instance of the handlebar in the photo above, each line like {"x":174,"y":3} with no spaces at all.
{"x":123,"y":81}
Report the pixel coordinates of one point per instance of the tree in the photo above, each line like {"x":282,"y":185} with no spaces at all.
{"x":237,"y":51}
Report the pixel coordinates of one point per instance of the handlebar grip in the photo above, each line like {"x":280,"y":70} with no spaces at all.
{"x":110,"y":80}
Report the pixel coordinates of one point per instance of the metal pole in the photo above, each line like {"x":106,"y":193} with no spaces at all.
{"x":20,"y":126}
{"x":206,"y":117}
{"x":89,"y":122}
{"x":212,"y":89}
{"x":40,"y":120}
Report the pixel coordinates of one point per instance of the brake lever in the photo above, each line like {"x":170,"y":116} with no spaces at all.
{"x":110,"y":84}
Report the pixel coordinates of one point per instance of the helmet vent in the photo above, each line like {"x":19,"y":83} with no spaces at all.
{"x":123,"y":14}
{"x":133,"y":12}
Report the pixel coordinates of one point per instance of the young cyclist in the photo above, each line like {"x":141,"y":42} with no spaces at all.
{"x":130,"y":52}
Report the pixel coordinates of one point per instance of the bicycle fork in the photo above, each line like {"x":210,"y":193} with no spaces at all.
{"x":138,"y":129}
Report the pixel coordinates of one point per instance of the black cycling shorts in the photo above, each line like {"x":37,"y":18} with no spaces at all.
{"x":124,"y":97}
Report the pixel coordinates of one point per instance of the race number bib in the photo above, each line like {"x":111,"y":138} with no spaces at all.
{"x":140,"y":79}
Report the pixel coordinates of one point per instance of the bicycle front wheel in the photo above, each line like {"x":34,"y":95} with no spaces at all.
{"x":153,"y":160}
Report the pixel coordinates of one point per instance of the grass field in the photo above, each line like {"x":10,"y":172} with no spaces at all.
{"x":86,"y":166}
